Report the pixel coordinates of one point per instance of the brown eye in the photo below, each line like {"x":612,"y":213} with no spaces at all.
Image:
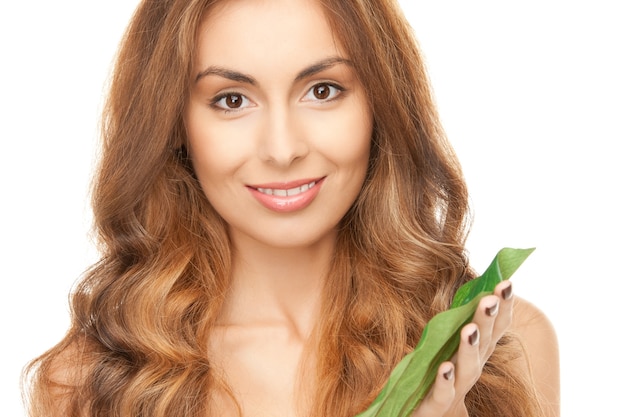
{"x":233,"y":101}
{"x":321,"y":91}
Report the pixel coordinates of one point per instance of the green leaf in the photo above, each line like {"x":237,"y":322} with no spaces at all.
{"x":501,"y":268}
{"x":413,"y":376}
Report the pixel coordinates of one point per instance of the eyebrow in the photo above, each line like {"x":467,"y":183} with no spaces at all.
{"x":321,"y":66}
{"x":248,"y":79}
{"x":226,"y":73}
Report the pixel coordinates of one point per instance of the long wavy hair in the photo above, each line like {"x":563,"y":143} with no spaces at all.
{"x":142,"y":315}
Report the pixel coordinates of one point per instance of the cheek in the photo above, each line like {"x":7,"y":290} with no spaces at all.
{"x":346,"y":137}
{"x":216,"y":149}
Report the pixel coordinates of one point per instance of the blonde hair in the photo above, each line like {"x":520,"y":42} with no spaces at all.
{"x":142,"y":315}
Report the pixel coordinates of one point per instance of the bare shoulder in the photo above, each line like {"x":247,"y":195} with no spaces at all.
{"x":541,"y":358}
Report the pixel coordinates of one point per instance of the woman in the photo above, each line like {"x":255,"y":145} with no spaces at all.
{"x":280,"y":215}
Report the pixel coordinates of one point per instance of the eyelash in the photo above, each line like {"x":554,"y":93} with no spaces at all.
{"x":216,"y":100}
{"x":334,"y":97}
{"x":224,"y":108}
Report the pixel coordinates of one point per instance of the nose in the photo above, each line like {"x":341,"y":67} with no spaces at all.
{"x":283,"y":139}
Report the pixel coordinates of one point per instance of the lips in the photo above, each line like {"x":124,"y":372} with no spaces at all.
{"x":287,"y":196}
{"x":287,"y":192}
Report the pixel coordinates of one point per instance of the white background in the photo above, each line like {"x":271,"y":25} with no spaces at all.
{"x":533,"y":97}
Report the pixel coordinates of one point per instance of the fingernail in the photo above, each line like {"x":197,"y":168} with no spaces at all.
{"x":449,"y":374}
{"x":507,"y":293}
{"x":492,"y":310}
{"x":473,"y":338}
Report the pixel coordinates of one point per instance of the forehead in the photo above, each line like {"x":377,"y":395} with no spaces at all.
{"x":263,"y":32}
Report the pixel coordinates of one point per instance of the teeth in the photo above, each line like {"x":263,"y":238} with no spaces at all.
{"x":287,"y":193}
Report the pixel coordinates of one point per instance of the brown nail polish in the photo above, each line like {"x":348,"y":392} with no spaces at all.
{"x":473,"y":338}
{"x":492,"y":310}
{"x":448,"y":375}
{"x":507,"y":293}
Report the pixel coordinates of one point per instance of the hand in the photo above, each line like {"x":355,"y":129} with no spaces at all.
{"x":478,"y":340}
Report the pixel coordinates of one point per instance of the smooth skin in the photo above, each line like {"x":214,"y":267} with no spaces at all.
{"x":275,"y":101}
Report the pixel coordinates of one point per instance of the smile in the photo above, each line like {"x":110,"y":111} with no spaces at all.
{"x":287,"y":196}
{"x":287,"y":193}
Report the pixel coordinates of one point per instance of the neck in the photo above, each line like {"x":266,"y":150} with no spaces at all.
{"x":277,"y":285}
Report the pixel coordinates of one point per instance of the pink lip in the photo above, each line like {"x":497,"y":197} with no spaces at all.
{"x":287,"y":203}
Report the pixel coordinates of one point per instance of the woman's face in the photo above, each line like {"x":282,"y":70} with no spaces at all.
{"x":278,"y":125}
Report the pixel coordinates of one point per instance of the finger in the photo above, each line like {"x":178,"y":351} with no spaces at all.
{"x":504,"y":291}
{"x":468,"y":359}
{"x":485,"y":317}
{"x":443,"y":389}
{"x":442,"y":394}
